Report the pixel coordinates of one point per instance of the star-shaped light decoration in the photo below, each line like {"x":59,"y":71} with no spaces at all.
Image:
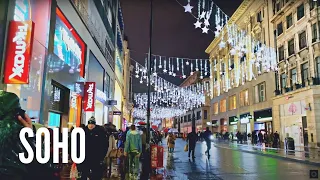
{"x":201,"y":77}
{"x":206,"y":22}
{"x":184,"y":76}
{"x":154,"y":74}
{"x":197,"y":24}
{"x":205,"y":73}
{"x":191,"y":73}
{"x":202,"y":15}
{"x":230,"y":40}
{"x":174,"y":74}
{"x":222,"y":44}
{"x":170,"y":73}
{"x":137,"y":76}
{"x":211,"y":77}
{"x":160,"y":66}
{"x":197,"y":69}
{"x":240,"y":54}
{"x":187,"y":63}
{"x":165,"y":70}
{"x":141,"y":81}
{"x":205,"y":30}
{"x":218,"y":27}
{"x":188,"y":8}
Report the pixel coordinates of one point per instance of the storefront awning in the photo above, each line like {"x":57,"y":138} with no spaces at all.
{"x":233,"y":120}
{"x":263,"y":115}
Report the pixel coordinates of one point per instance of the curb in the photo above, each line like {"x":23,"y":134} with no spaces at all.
{"x":274,"y":156}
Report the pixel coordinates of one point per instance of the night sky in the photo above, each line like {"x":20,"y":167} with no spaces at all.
{"x":173,"y":31}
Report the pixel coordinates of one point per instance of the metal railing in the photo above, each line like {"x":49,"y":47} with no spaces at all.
{"x":102,"y":39}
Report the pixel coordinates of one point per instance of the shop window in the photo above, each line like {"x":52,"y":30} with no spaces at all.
{"x":223,"y":105}
{"x":302,"y":40}
{"x":260,"y":92}
{"x":293,"y":78}
{"x":215,"y":108}
{"x":198,"y":115}
{"x":232,"y":102}
{"x":318,"y":66}
{"x":283,"y":80}
{"x":291,"y":47}
{"x":300,"y":11}
{"x":281,"y":53}
{"x":289,"y":21}
{"x":314,"y":32}
{"x":205,"y":114}
{"x":57,"y":98}
{"x":280,"y":29}
{"x":244,"y":98}
{"x":305,"y":72}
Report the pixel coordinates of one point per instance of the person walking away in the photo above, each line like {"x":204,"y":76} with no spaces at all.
{"x":133,"y":149}
{"x":207,"y":134}
{"x":238,"y":137}
{"x":192,"y":141}
{"x":260,"y":136}
{"x":171,"y":143}
{"x":110,"y":129}
{"x":95,"y":151}
{"x":245,"y":137}
{"x":276,"y":138}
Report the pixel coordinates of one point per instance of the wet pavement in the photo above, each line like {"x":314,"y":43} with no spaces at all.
{"x":227,"y":163}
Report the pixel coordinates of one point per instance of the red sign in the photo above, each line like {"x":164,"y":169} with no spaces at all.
{"x":19,"y":50}
{"x":89,"y":96}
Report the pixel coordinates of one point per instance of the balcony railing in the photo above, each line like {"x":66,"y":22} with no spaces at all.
{"x":104,"y":42}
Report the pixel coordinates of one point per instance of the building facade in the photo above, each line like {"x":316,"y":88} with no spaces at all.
{"x":201,"y":114}
{"x":241,"y":98}
{"x":71,"y":59}
{"x":297,"y":102}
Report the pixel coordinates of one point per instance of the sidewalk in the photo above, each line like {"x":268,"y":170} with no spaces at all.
{"x":307,"y":155}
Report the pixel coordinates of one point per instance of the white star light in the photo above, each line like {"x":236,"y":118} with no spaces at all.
{"x":197,"y":24}
{"x":219,"y":28}
{"x":137,"y":76}
{"x":160,"y":66}
{"x":184,"y":76}
{"x":188,"y":8}
{"x":165,"y":70}
{"x":201,"y":77}
{"x":187,"y":63}
{"x":216,"y":33}
{"x":202,"y":15}
{"x":170,"y":73}
{"x":191,"y":73}
{"x":233,"y":51}
{"x":205,"y":30}
{"x":154,"y":74}
{"x":230,"y":40}
{"x":174,"y":74}
{"x":206,"y":22}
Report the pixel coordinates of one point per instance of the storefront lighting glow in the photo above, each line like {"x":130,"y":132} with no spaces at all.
{"x":264,"y":119}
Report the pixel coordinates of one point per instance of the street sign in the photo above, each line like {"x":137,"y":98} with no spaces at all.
{"x":117,"y":113}
{"x":112,"y":102}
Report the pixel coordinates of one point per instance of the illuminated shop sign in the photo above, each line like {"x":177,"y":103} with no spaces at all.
{"x":73,"y":100}
{"x":22,"y":10}
{"x":19,"y":49}
{"x":79,"y":88}
{"x":101,"y":96}
{"x":68,"y":45}
{"x":89,"y":96}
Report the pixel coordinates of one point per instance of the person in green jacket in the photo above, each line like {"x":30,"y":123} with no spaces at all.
{"x":133,"y":149}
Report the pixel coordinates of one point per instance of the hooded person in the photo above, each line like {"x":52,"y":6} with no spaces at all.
{"x":133,"y":149}
{"x":96,"y":149}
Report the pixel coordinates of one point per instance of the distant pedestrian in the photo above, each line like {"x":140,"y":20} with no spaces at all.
{"x":192,"y":141}
{"x":133,"y":150}
{"x":207,"y":135}
{"x":171,"y":142}
{"x":260,"y":136}
{"x":276,"y":138}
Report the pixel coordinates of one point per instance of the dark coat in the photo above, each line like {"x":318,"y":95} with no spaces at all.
{"x":96,"y":146}
{"x":192,"y":140}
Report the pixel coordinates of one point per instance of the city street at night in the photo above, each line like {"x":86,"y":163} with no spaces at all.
{"x":228,"y":164}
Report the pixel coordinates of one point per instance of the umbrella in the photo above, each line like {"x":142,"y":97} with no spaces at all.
{"x":173,"y":130}
{"x":154,"y":127}
{"x":165,"y":130}
{"x":142,"y":123}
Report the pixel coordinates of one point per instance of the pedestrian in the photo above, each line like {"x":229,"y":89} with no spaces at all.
{"x":96,"y":150}
{"x":111,"y":141}
{"x":207,"y":134}
{"x":192,"y":141}
{"x":144,"y":141}
{"x":171,"y":142}
{"x":260,"y":136}
{"x":276,"y":138}
{"x":133,"y":150}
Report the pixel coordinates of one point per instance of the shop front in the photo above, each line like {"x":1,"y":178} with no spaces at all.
{"x":63,"y":74}
{"x":294,"y":122}
{"x":34,"y":17}
{"x":245,"y":125}
{"x":116,"y":119}
{"x":263,"y":121}
{"x":223,"y":125}
{"x":233,"y":124}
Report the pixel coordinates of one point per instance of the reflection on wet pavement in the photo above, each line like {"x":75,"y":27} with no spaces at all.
{"x":228,"y":164}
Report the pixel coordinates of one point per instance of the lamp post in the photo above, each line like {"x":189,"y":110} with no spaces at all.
{"x":193,"y":126}
{"x":149,"y":73}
